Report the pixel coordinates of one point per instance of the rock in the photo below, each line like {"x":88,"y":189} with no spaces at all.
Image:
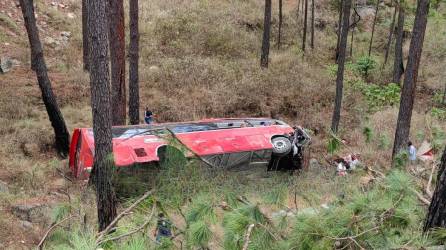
{"x":61,"y":5}
{"x":51,"y":42}
{"x":30,"y":149}
{"x":53,"y":3}
{"x":26,"y":224}
{"x":4,"y":187}
{"x":71,"y":15}
{"x":65,"y":33}
{"x":32,"y":212}
{"x":314,"y":163}
{"x":5,"y":65}
{"x":154,"y":69}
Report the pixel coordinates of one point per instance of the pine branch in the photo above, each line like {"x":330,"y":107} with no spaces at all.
{"x":120,"y":216}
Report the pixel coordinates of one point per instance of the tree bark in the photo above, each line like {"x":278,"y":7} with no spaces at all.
{"x":62,"y":139}
{"x":339,"y":31}
{"x":100,"y":105}
{"x":117,"y":58}
{"x":266,"y":32}
{"x":373,"y":27}
{"x":312,"y":25}
{"x":341,"y":61}
{"x":410,"y":79}
{"x":351,"y":41}
{"x":133,"y":61}
{"x":389,"y":40}
{"x":280,"y":24}
{"x":304,"y":36}
{"x":436,"y":216}
{"x":85,"y":48}
{"x":398,"y":66}
{"x":298,"y":9}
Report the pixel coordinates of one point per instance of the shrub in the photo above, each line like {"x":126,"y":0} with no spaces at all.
{"x":385,"y":217}
{"x":364,"y":65}
{"x":438,"y":113}
{"x":379,"y":96}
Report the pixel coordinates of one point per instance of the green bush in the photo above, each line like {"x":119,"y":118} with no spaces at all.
{"x":364,"y":65}
{"x":438,"y":113}
{"x":379,"y":96}
{"x":386,"y":217}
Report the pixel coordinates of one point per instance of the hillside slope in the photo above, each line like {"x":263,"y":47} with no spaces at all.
{"x":199,"y":59}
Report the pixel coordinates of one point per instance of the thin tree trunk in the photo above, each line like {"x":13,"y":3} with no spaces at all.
{"x":85,"y":48}
{"x":339,"y":31}
{"x":389,"y":40}
{"x":398,"y":66}
{"x":266,"y":32}
{"x":341,"y":61}
{"x":410,"y":79}
{"x":298,"y":9}
{"x":117,"y":58}
{"x":280,"y":24}
{"x":351,"y":42}
{"x":373,"y":27}
{"x":436,"y":216}
{"x":444,"y":95}
{"x":102,"y":120}
{"x":304,"y":37}
{"x":133,"y":61}
{"x":56,"y":118}
{"x":312,"y":25}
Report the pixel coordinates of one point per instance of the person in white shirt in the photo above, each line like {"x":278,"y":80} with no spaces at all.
{"x":412,"y":152}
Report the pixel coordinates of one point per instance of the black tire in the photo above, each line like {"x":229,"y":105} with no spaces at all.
{"x":281,"y":145}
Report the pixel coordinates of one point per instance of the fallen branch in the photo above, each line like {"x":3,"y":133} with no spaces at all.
{"x":429,"y":183}
{"x":247,"y":236}
{"x":122,"y":214}
{"x":422,"y":198}
{"x":143,"y":226}
{"x":54,"y":225}
{"x":63,"y":174}
{"x":376,"y":172}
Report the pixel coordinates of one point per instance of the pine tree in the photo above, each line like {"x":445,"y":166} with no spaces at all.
{"x":410,"y":78}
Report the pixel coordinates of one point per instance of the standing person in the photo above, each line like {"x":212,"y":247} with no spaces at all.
{"x":163,"y":228}
{"x":148,"y":116}
{"x":412,"y":153}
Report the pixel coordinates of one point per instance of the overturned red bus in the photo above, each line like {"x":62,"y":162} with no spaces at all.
{"x":220,"y":143}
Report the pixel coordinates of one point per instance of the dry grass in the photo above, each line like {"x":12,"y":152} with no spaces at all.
{"x":200,"y":58}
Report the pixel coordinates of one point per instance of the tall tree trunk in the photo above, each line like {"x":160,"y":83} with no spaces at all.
{"x":117,"y":58}
{"x":298,"y":9}
{"x":373,"y":27}
{"x":389,"y":40}
{"x":351,"y":41}
{"x":398,"y":66}
{"x":57,"y":121}
{"x":133,"y":61}
{"x":341,"y":61}
{"x":436,"y":216}
{"x":266,"y":32}
{"x":304,"y":36}
{"x":312,"y":25}
{"x":339,"y":31}
{"x":85,"y":48}
{"x":100,"y":105}
{"x":410,"y":79}
{"x":280,"y":24}
{"x":444,"y":95}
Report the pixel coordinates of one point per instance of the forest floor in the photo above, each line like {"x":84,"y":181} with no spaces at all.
{"x":200,"y":59}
